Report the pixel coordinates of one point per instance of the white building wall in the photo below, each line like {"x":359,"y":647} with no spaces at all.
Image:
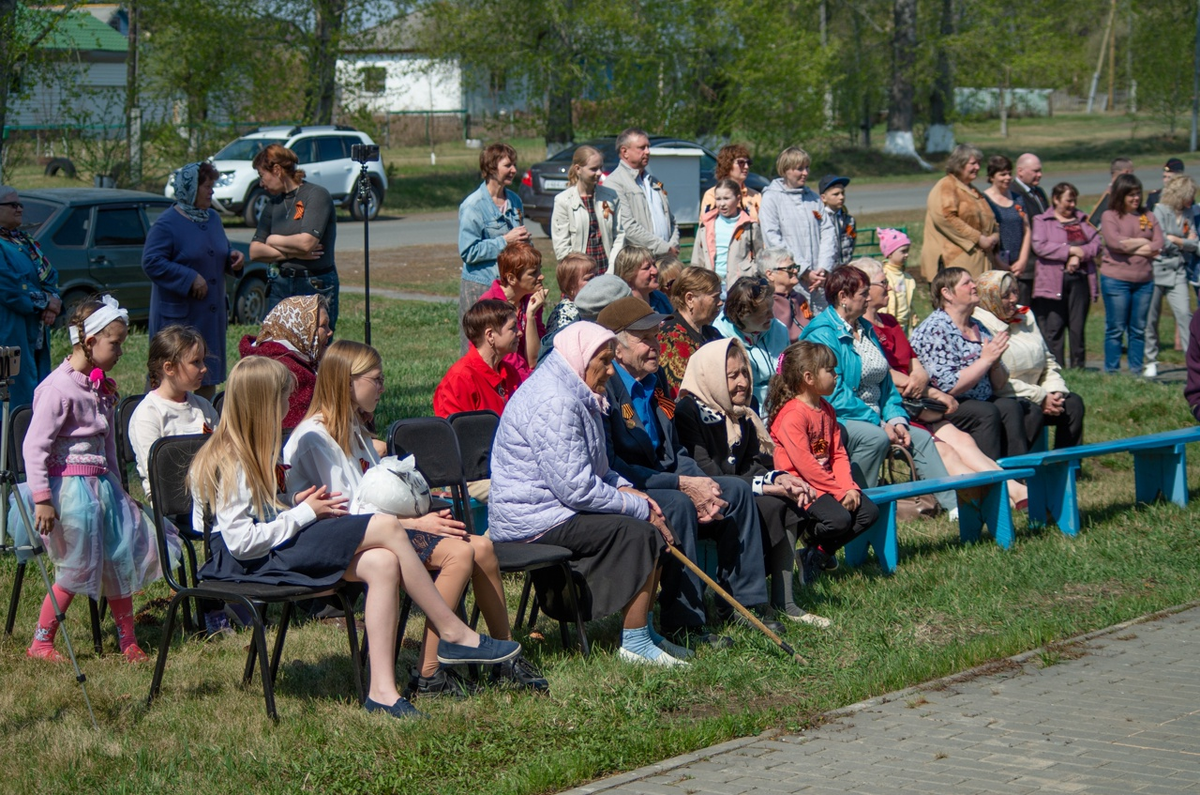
{"x":80,"y":93}
{"x":412,"y":83}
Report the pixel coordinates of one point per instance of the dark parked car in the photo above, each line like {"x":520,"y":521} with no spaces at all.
{"x":545,"y":180}
{"x":94,"y":238}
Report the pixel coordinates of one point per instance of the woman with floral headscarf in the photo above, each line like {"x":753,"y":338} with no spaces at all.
{"x":30,"y":300}
{"x":1033,"y":373}
{"x":186,"y":258}
{"x":296,"y":333}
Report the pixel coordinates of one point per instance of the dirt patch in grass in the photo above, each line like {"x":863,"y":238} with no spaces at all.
{"x":991,"y":668}
{"x":1081,"y":595}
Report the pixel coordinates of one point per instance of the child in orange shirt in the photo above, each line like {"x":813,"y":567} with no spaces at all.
{"x":808,"y":444}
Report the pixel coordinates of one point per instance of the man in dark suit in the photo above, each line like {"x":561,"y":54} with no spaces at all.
{"x":644,"y":448}
{"x":1029,"y":194}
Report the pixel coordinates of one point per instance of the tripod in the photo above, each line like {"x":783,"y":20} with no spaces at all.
{"x":364,"y":199}
{"x":33,"y":545}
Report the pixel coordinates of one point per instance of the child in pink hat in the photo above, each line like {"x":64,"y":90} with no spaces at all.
{"x":894,"y":246}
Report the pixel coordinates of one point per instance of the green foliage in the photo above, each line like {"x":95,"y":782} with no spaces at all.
{"x":1164,"y":36}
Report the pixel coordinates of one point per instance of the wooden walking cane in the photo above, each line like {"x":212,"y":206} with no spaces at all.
{"x":735,"y":604}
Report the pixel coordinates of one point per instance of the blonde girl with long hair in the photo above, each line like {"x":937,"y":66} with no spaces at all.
{"x":262,"y":533}
{"x":332,"y":447}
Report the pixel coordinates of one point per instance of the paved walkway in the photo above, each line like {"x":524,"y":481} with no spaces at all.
{"x":1118,"y":713}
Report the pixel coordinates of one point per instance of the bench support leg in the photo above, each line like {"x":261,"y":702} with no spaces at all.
{"x":991,"y":511}
{"x":1053,"y":495}
{"x":1165,"y":470}
{"x":881,"y":536}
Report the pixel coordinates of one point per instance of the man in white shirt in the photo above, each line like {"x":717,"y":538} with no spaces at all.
{"x":644,"y":210}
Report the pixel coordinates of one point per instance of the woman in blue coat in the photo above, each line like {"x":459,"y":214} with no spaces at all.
{"x":29,"y":300}
{"x":186,"y":257}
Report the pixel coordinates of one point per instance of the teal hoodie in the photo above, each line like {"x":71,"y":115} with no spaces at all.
{"x":828,"y":328}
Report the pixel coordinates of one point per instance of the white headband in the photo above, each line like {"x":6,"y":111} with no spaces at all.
{"x":109,"y":311}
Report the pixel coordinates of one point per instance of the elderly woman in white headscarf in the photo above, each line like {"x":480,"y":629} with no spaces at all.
{"x":29,"y":300}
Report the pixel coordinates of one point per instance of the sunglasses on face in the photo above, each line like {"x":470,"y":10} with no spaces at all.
{"x":744,"y":162}
{"x":18,"y":205}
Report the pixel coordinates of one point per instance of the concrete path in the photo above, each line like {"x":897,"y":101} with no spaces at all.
{"x":1117,"y":712}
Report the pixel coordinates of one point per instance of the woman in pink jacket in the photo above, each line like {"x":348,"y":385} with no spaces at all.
{"x":1064,"y":280}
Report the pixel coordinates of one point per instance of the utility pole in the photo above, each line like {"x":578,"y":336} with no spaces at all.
{"x":1100,"y":60}
{"x":1112,"y":57}
{"x":133,"y":111}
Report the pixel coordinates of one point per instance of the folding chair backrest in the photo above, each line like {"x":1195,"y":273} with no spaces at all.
{"x":126,"y":455}
{"x":475,"y":430}
{"x":18,"y":425}
{"x":432,"y":441}
{"x":218,"y":401}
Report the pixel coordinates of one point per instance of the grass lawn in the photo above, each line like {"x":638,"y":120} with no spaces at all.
{"x":947,"y":608}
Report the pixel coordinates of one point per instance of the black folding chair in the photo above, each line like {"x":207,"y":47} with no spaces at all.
{"x":218,"y":401}
{"x":126,"y":456}
{"x":170,"y":458}
{"x":18,"y":425}
{"x":435,"y":444}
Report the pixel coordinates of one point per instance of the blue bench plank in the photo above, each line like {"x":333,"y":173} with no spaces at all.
{"x":1159,"y":463}
{"x":992,"y":510}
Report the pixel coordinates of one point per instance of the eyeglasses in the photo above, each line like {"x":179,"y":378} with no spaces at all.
{"x":376,"y":381}
{"x":882,"y":284}
{"x":744,"y":162}
{"x":18,"y":205}
{"x":790,"y":271}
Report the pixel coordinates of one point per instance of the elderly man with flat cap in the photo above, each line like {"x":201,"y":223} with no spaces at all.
{"x":644,"y":448}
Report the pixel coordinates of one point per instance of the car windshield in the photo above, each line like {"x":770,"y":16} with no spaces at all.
{"x":246,"y":148}
{"x":36,"y":213}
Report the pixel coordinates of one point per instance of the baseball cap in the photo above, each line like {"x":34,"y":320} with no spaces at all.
{"x":829,"y":180}
{"x":1174,"y":165}
{"x":630,"y":314}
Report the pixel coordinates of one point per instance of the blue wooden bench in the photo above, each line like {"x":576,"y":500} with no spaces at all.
{"x":992,"y":510}
{"x":1159,"y":466}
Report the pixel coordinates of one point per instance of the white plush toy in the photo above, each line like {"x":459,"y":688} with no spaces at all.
{"x":393,"y":486}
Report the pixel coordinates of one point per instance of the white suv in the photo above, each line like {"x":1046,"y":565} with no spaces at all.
{"x":324,"y":154}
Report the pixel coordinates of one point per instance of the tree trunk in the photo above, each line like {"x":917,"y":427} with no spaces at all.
{"x":940,"y":136}
{"x":326,"y":45}
{"x":900,"y":98}
{"x":8,"y":12}
{"x":560,"y":126}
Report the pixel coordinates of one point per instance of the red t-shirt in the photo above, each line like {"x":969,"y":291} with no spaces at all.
{"x":470,"y":385}
{"x":517,"y":359}
{"x":895,"y":345}
{"x":808,"y":445}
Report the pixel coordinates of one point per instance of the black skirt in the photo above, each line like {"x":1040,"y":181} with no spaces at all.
{"x":316,"y":557}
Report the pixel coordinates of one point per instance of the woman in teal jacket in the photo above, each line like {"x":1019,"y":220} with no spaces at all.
{"x":865,"y":399}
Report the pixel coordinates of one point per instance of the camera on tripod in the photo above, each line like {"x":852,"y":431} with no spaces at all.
{"x":10,"y":362}
{"x":364,"y":153}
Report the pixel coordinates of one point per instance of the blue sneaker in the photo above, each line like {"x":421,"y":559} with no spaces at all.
{"x":488,"y":652}
{"x":401,"y":709}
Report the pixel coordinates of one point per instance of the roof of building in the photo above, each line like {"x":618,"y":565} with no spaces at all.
{"x":75,"y":31}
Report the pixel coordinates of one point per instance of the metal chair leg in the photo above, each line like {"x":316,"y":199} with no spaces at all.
{"x":525,"y":589}
{"x":97,"y":610}
{"x":573,"y":603}
{"x":280,"y":635}
{"x":164,"y":648}
{"x":14,"y":599}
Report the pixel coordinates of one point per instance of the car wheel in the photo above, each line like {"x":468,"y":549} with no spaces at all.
{"x":372,"y":206}
{"x":251,"y":302}
{"x":72,"y":299}
{"x":256,"y":203}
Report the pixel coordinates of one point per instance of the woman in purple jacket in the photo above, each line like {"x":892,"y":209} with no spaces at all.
{"x":1064,"y":282}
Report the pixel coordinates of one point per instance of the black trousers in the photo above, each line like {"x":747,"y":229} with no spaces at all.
{"x":996,"y":425}
{"x":1025,"y":287}
{"x":834,"y":526}
{"x":1066,"y":317}
{"x":1068,"y":425}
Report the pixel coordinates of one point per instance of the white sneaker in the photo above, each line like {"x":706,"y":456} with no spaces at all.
{"x":675,"y":650}
{"x":1150,"y":370}
{"x":812,"y":619}
{"x":663,"y":660}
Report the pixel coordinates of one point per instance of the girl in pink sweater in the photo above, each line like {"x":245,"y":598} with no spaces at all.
{"x":97,"y":536}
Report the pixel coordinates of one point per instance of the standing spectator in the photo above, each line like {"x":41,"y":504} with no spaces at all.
{"x":297,"y":233}
{"x":482,"y":379}
{"x":1033,"y":373}
{"x":1013,"y":252}
{"x":645,"y":212}
{"x":1065,"y":246}
{"x":1132,"y":239}
{"x":733,"y":161}
{"x":833,"y":196}
{"x":638,"y":268}
{"x":573,"y":272}
{"x":1027,"y":185}
{"x":791,"y":306}
{"x":1174,"y":215}
{"x":589,"y":302}
{"x":793,"y":218}
{"x":186,"y":258}
{"x":1172,"y":169}
{"x":728,"y":239}
{"x":522,"y":285}
{"x":1119,"y":166}
{"x":960,"y":229}
{"x":488,"y":220}
{"x":894,"y":245}
{"x":696,"y":297}
{"x":749,"y":317}
{"x":295,"y":333}
{"x":29,"y":300}
{"x":587,"y":215}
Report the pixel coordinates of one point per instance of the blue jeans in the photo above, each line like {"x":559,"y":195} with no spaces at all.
{"x":280,"y":287}
{"x":1126,"y":305}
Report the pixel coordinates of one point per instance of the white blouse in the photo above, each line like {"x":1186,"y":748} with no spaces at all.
{"x":247,"y":535}
{"x":315,"y":459}
{"x":156,"y":417}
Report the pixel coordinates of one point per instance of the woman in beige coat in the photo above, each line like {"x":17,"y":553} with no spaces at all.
{"x":960,"y":229}
{"x":585,"y":217}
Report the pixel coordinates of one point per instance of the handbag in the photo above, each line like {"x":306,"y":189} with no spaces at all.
{"x":924,"y":409}
{"x":899,"y":467}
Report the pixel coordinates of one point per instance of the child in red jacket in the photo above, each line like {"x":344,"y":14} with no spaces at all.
{"x":808,"y":444}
